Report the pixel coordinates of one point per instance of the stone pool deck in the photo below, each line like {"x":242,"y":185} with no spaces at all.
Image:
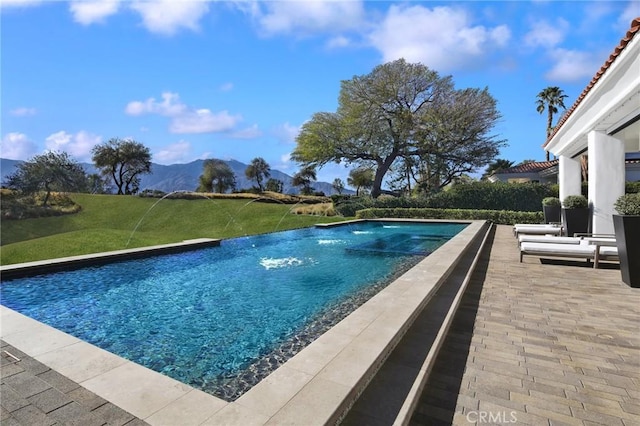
{"x":553,"y":343}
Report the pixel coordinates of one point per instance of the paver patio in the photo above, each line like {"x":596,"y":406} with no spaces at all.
{"x":540,"y":343}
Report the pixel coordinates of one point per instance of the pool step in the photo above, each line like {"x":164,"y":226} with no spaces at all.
{"x":392,"y":395}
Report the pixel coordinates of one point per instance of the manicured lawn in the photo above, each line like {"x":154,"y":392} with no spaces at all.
{"x":110,"y":222}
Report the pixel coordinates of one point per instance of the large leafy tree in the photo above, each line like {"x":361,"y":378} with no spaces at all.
{"x":305,"y":178}
{"x":258,"y":170}
{"x":550,"y":99}
{"x":216,"y":176}
{"x":454,"y":138}
{"x":403,"y":113}
{"x":51,"y":171}
{"x":123,"y":161}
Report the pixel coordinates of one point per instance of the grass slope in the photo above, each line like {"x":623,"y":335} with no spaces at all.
{"x":111,"y":222}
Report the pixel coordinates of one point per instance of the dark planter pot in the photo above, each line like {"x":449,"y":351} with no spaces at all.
{"x":627,"y":230}
{"x":576,"y":221}
{"x":551,"y":214}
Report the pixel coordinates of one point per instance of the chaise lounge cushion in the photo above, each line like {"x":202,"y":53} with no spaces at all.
{"x":536,"y":229}
{"x":558,"y":249}
{"x":548,"y":239}
{"x":583,"y":250}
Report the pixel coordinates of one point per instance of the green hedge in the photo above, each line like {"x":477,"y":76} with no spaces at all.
{"x":502,"y":217}
{"x":632,"y":187}
{"x":524,"y":197}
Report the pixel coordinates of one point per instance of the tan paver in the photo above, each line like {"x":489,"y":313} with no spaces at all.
{"x":560,"y":338}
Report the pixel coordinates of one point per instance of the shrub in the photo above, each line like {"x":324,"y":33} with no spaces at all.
{"x":502,"y":217}
{"x":575,"y":202}
{"x":493,"y":196}
{"x":628,"y":204}
{"x":324,"y":209}
{"x":632,"y":187}
{"x":14,"y":205}
{"x":348,"y":206}
{"x":551,"y":202}
{"x":153,"y":193}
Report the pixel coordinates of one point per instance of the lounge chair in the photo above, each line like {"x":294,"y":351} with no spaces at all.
{"x":537,"y":229}
{"x":589,"y":249}
{"x":589,"y":238}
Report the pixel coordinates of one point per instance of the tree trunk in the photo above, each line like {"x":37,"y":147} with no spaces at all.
{"x":549,"y":128}
{"x":46,"y":197}
{"x":381,"y":171}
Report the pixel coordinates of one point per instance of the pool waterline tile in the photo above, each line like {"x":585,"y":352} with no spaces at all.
{"x":314,"y":399}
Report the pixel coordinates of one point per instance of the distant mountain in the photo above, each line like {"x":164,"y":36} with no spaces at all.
{"x":184,"y":177}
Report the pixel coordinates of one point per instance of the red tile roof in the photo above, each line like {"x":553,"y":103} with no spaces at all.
{"x":533,"y":167}
{"x":633,"y":30}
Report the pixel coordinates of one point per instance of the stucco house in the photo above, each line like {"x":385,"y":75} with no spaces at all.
{"x":604,"y":125}
{"x":535,"y":171}
{"x":547,"y":171}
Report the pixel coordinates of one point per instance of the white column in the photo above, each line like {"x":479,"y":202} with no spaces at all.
{"x":569,"y":176}
{"x":606,"y":178}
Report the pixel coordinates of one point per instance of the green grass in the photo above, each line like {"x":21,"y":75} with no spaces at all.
{"x":111,"y":222}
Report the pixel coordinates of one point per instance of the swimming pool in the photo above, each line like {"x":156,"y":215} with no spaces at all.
{"x":213,"y":318}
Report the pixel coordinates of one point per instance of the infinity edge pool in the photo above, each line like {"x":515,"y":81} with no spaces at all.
{"x":316,"y":386}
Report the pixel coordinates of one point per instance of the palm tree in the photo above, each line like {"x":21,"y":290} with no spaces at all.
{"x":550,"y":99}
{"x":496,"y":166}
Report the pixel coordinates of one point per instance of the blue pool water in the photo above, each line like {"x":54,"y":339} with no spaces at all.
{"x":222,"y":318}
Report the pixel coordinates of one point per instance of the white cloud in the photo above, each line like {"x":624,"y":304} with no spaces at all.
{"x":174,"y":153}
{"x":546,"y":34}
{"x":57,"y":141}
{"x":23,"y":112}
{"x":571,"y":65}
{"x":248,"y":133}
{"x":203,"y":121}
{"x":286,"y":133}
{"x":78,"y":145}
{"x":169,"y":107}
{"x":93,"y":11}
{"x":167,"y":17}
{"x":443,"y":38}
{"x":183,"y":118}
{"x":17,"y":146}
{"x":309,"y":17}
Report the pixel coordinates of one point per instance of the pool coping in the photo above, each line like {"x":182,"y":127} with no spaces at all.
{"x":316,"y":386}
{"x":20,"y":270}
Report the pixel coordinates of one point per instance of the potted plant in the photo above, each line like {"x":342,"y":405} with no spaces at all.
{"x":551,"y":207}
{"x":575,"y":215}
{"x":627,"y":228}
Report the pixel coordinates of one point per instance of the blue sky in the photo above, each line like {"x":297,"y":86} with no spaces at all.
{"x":236,"y":80}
